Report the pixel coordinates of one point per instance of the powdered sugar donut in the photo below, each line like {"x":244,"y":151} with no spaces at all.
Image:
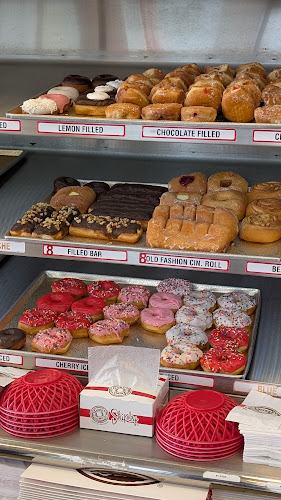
{"x":190,"y":317}
{"x":236,"y":319}
{"x":157,"y":320}
{"x":229,"y":337}
{"x":165,"y":301}
{"x":174,"y":285}
{"x":188,"y":334}
{"x":201,"y":301}
{"x":181,"y":355}
{"x":239,"y":301}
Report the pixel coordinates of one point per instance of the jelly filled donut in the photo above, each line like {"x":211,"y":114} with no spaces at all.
{"x":76,"y":322}
{"x":92,"y":306}
{"x":236,"y":338}
{"x":234,"y":318}
{"x":175,"y":285}
{"x":52,"y":341}
{"x":126,"y":312}
{"x":238,"y":301}
{"x":181,"y":355}
{"x":195,"y":183}
{"x":58,"y":302}
{"x":157,"y":320}
{"x":109,"y":331}
{"x":12,"y":338}
{"x":223,"y":360}
{"x":33,"y":320}
{"x":74,"y":286}
{"x":190,"y":317}
{"x":165,"y":301}
{"x":201,"y":301}
{"x":107,"y":290}
{"x":188,"y":334}
{"x":137,"y":295}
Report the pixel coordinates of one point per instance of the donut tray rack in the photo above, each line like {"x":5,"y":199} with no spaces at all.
{"x":75,"y":360}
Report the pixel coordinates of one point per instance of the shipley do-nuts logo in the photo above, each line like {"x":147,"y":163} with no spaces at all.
{"x":119,"y":391}
{"x":101,"y":415}
{"x":263,"y":409}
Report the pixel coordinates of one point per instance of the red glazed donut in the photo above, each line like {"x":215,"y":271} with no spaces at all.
{"x":74,"y":286}
{"x":33,"y":320}
{"x":223,"y":360}
{"x":58,"y":302}
{"x":77,"y":323}
{"x":227,"y":337}
{"x":91,"y":306}
{"x":107,"y":290}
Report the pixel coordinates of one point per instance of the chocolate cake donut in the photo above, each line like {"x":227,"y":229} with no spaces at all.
{"x":12,"y":338}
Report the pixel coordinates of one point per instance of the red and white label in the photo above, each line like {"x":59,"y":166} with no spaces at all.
{"x":69,"y":365}
{"x":183,"y":378}
{"x":245,"y":387}
{"x":10,"y":126}
{"x":11,"y":359}
{"x":85,"y":253}
{"x":263,"y":268}
{"x":267,"y":136}
{"x":12,"y":246}
{"x":185,"y":133}
{"x":90,"y":129}
{"x":156,"y":259}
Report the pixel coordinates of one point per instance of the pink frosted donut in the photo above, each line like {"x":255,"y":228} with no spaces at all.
{"x":234,"y":319}
{"x":174,"y":285}
{"x":238,"y":301}
{"x":109,"y":331}
{"x":52,"y":341}
{"x":188,"y":334}
{"x":157,"y":319}
{"x":137,"y":295}
{"x":190,"y":317}
{"x":181,"y":355}
{"x":165,"y":301}
{"x":201,"y":301}
{"x":126,"y":312}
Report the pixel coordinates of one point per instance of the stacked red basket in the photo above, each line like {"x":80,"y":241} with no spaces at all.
{"x":193,"y":426}
{"x":41,"y":404}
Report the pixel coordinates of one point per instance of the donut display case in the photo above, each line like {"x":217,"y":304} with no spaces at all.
{"x":148,"y":142}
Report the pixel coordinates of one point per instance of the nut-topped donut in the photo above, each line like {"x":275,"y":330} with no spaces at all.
{"x":74,"y":286}
{"x":126,"y":312}
{"x":109,"y":331}
{"x":76,"y":322}
{"x":12,"y":338}
{"x":107,"y":290}
{"x":223,"y":360}
{"x":80,"y":197}
{"x":58,"y":302}
{"x":236,"y":319}
{"x":34,"y":320}
{"x":190,"y":317}
{"x":165,"y":301}
{"x":237,"y":301}
{"x":135,"y":294}
{"x":174,"y":285}
{"x":201,"y":301}
{"x":181,"y":355}
{"x":227,"y":337}
{"x":188,"y":334}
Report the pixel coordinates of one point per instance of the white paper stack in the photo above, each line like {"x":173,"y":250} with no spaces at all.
{"x":42,"y":482}
{"x":10,"y":473}
{"x":221,"y":492}
{"x":259,"y":419}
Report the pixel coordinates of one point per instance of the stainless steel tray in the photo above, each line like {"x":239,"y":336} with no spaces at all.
{"x":75,"y":359}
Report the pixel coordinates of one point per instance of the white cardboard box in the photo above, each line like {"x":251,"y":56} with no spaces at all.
{"x":121,"y":409}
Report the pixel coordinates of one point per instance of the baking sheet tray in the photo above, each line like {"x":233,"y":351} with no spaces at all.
{"x":9,"y":158}
{"x":138,"y":336}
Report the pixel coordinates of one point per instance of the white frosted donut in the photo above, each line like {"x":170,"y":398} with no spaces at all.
{"x":181,"y":355}
{"x":188,"y":334}
{"x":189,"y":316}
{"x":238,"y":301}
{"x":237,"y":319}
{"x":200,"y":300}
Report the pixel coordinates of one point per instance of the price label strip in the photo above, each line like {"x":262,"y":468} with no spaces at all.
{"x":220,"y":476}
{"x":11,"y":359}
{"x":273,"y":136}
{"x":85,"y":253}
{"x":69,"y":365}
{"x":245,"y":387}
{"x":185,"y":133}
{"x":88,"y":129}
{"x":12,"y":246}
{"x":263,"y":268}
{"x":183,"y":262}
{"x":183,"y":378}
{"x":10,"y":126}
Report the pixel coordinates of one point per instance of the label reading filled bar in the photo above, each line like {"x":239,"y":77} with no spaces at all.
{"x":10,"y":126}
{"x":85,"y":253}
{"x":186,"y":262}
{"x":263,"y":268}
{"x":12,"y":246}
{"x":184,"y":133}
{"x":81,"y":129}
{"x":70,"y":365}
{"x":175,"y":378}
{"x":267,"y":136}
{"x":10,"y":359}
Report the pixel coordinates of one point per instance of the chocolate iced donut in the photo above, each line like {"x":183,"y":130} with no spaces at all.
{"x":98,"y":187}
{"x":12,"y":338}
{"x":102,"y":79}
{"x":81,"y":83}
{"x":61,"y":182}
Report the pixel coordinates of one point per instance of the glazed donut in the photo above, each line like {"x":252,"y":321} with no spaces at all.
{"x":123,"y":110}
{"x":223,"y":360}
{"x":201,"y":93}
{"x":237,"y":301}
{"x":74,"y":286}
{"x":250,"y":86}
{"x":61,"y":182}
{"x":12,"y":338}
{"x":157,"y":319}
{"x":185,"y":77}
{"x":126,"y":312}
{"x":223,"y":181}
{"x":201,"y":301}
{"x":76,"y":322}
{"x":222,"y":68}
{"x":198,"y":114}
{"x":109,"y":331}
{"x":154,"y":75}
{"x":107,"y":290}
{"x":187,"y":334}
{"x":253,"y":67}
{"x":34,"y":320}
{"x":192,"y":69}
{"x":180,"y":198}
{"x":167,"y":94}
{"x":165,"y":301}
{"x":230,"y":199}
{"x":181,"y":355}
{"x":167,"y":111}
{"x":270,"y":189}
{"x":271,"y":95}
{"x":190,"y":317}
{"x":260,"y":228}
{"x":51,"y":341}
{"x":233,"y":338}
{"x":238,"y":104}
{"x":73,"y":196}
{"x":258,"y":80}
{"x":233,"y":319}
{"x":274,"y":75}
{"x":80,"y":83}
{"x":196,"y":182}
{"x":137,"y":295}
{"x":268,"y":114}
{"x":264,"y":206}
{"x":91,"y":306}
{"x":58,"y":302}
{"x":132,"y":94}
{"x":140,"y":81}
{"x":176,"y":286}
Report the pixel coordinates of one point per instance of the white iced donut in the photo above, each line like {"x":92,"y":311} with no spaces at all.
{"x":238,"y":301}
{"x":187,"y":334}
{"x":236,"y":319}
{"x":201,"y":301}
{"x":189,"y":316}
{"x":181,"y":355}
{"x":177,"y":286}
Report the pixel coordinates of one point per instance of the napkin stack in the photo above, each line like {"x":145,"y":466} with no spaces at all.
{"x":11,"y":471}
{"x":221,"y":492}
{"x":259,"y":418}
